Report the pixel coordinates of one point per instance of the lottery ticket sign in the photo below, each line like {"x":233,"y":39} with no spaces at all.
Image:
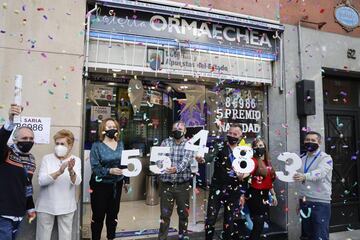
{"x":40,"y":126}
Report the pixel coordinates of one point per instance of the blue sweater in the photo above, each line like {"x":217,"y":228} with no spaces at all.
{"x":102,"y":158}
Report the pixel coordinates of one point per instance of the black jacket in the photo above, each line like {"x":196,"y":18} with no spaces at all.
{"x":16,"y":172}
{"x":223,"y":175}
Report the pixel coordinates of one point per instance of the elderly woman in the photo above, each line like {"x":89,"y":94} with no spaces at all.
{"x":60,"y":173}
{"x":107,"y":179}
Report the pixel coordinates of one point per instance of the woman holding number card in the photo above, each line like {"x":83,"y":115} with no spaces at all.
{"x":263,"y":176}
{"x":107,"y":179}
{"x":60,"y":173}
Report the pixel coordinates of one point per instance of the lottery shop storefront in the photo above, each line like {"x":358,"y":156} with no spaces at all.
{"x":150,"y":65}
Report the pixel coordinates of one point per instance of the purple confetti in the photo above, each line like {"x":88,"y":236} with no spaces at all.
{"x":43,"y":55}
{"x":342,"y":93}
{"x":2,"y":31}
{"x":354,"y":158}
{"x":24,"y":8}
{"x":45,"y":17}
{"x":329,"y":162}
{"x":50,"y":37}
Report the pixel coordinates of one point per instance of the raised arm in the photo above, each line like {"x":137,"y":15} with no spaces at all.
{"x":6,"y":130}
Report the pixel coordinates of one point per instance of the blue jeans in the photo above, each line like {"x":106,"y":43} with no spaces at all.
{"x":8,"y":228}
{"x":315,"y":220}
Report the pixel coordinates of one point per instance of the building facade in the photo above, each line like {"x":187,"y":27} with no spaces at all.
{"x":208,"y":63}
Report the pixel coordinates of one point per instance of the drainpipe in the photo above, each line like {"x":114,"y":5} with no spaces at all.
{"x":299,"y":49}
{"x":302,"y":119}
{"x":88,"y":14}
{"x":282,"y":62}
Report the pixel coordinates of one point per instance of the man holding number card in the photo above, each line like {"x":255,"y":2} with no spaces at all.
{"x":227,"y":186}
{"x":175,"y":182}
{"x":17,"y":166}
{"x":315,"y":190}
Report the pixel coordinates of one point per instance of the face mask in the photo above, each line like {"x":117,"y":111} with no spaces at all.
{"x":112,"y":133}
{"x":311,"y":147}
{"x":232,"y":140}
{"x":177,"y":134}
{"x":25,"y":146}
{"x":61,"y":150}
{"x":259,"y":152}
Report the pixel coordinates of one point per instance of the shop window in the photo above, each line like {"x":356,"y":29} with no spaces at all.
{"x":145,"y":110}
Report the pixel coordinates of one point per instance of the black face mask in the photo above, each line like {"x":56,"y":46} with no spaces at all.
{"x":177,"y":134}
{"x":112,"y":133}
{"x":259,"y":152}
{"x":25,"y":146}
{"x":232,"y":140}
{"x":311,"y":147}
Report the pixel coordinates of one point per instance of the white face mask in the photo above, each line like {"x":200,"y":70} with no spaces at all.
{"x":61,"y":150}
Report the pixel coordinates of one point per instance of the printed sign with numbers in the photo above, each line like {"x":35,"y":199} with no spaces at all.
{"x":40,"y":126}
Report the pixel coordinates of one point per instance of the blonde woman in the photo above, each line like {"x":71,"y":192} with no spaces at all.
{"x":60,"y":173}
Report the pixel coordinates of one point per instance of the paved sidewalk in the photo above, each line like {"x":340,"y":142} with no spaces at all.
{"x":347,"y":235}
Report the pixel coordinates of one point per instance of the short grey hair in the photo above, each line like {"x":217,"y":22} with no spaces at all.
{"x":17,"y":130}
{"x":180,"y":123}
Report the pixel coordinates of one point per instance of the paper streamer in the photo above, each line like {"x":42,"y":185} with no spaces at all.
{"x":18,"y":94}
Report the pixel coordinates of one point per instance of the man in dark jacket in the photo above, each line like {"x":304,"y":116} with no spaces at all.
{"x":17,"y":166}
{"x":227,"y":188}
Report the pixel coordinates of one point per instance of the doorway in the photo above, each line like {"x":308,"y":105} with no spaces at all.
{"x":342,"y":142}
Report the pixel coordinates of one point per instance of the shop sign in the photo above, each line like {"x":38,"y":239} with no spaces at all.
{"x":244,"y":107}
{"x":181,"y":29}
{"x":347,"y":16}
{"x":239,"y":110}
{"x":179,"y":61}
{"x":40,"y":127}
{"x":101,"y":93}
{"x":100,"y":113}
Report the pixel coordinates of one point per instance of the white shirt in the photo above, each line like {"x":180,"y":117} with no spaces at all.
{"x":57,"y":197}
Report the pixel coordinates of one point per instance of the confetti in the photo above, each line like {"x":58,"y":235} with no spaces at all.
{"x":40,"y":9}
{"x":23,"y":8}
{"x":4,"y":6}
{"x":97,"y":179}
{"x":51,"y":92}
{"x":45,"y":17}
{"x":322,"y":10}
{"x":43,"y":55}
{"x":50,"y":37}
